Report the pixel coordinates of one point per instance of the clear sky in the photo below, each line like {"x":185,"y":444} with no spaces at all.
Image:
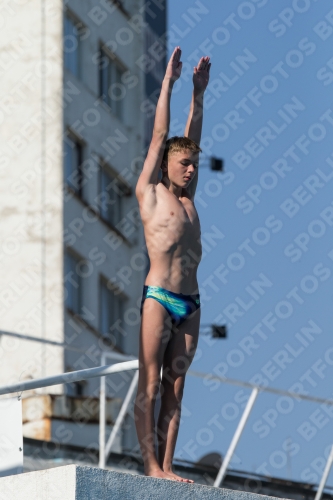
{"x":267,"y":224}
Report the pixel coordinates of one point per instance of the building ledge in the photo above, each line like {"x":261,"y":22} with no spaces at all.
{"x":42,"y":455}
{"x":73,"y":482}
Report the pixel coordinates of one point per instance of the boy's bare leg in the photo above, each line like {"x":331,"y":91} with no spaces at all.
{"x":177,"y":359}
{"x":154,"y":336}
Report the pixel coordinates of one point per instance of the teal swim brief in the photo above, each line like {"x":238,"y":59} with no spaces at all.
{"x":178,"y":305}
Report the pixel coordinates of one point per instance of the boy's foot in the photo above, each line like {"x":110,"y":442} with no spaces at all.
{"x":175,"y":477}
{"x":171,"y":476}
{"x":159,"y":474}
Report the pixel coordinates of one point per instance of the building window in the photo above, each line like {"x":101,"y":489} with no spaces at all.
{"x":71,"y":45}
{"x":111,"y":88}
{"x":155,"y":51}
{"x":75,"y":270}
{"x":111,"y":193}
{"x":73,"y":157}
{"x":111,"y":314}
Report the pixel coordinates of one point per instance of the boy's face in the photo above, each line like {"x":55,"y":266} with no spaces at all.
{"x":181,"y":167}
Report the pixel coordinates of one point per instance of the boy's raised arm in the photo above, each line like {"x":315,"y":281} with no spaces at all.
{"x":200,"y":81}
{"x":194,"y":121}
{"x":152,"y":164}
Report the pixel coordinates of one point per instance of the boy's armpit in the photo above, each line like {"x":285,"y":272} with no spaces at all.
{"x":144,"y":188}
{"x":153,"y":162}
{"x":147,"y":201}
{"x":146,"y":181}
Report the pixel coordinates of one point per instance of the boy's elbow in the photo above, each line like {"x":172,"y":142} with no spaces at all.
{"x":139,"y":191}
{"x":161,"y":133}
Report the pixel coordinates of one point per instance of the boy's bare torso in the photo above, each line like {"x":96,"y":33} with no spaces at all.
{"x":172,"y":231}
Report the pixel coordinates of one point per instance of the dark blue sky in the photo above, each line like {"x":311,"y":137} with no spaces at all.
{"x":267,"y":224}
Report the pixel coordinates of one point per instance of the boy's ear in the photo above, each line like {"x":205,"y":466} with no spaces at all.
{"x":164,"y":166}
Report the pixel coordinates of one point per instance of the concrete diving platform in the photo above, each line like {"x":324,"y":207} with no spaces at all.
{"x":74,"y":482}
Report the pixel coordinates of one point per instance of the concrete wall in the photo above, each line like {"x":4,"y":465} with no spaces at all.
{"x":86,"y":483}
{"x":31,"y":254}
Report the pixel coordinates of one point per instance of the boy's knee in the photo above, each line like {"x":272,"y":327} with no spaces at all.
{"x":180,"y":365}
{"x":152,"y":389}
{"x":173,"y":387}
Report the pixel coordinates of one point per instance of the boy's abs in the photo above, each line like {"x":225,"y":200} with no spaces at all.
{"x":174,"y":247}
{"x":178,"y":279}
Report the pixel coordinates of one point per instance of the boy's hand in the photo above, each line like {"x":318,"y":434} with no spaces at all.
{"x":201,"y":74}
{"x":174,"y":67}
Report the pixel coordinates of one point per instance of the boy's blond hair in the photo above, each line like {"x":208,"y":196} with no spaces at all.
{"x":176,"y":144}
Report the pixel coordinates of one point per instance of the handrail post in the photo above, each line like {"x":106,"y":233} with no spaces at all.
{"x":222,"y":472}
{"x":325,"y":475}
{"x":102,"y":419}
{"x":122,"y":414}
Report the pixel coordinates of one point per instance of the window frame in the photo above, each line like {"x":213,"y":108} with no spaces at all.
{"x":78,"y":29}
{"x":75,"y":257}
{"x":80,"y":144}
{"x":113,"y":294}
{"x":123,"y":189}
{"x":116,"y":66}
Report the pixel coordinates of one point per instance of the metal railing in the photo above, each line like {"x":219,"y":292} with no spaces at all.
{"x":69,"y":377}
{"x":244,"y":418}
{"x":129,"y":363}
{"x":105,"y":448}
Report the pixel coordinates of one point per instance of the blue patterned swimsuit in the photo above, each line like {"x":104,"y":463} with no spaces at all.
{"x":178,"y":305}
